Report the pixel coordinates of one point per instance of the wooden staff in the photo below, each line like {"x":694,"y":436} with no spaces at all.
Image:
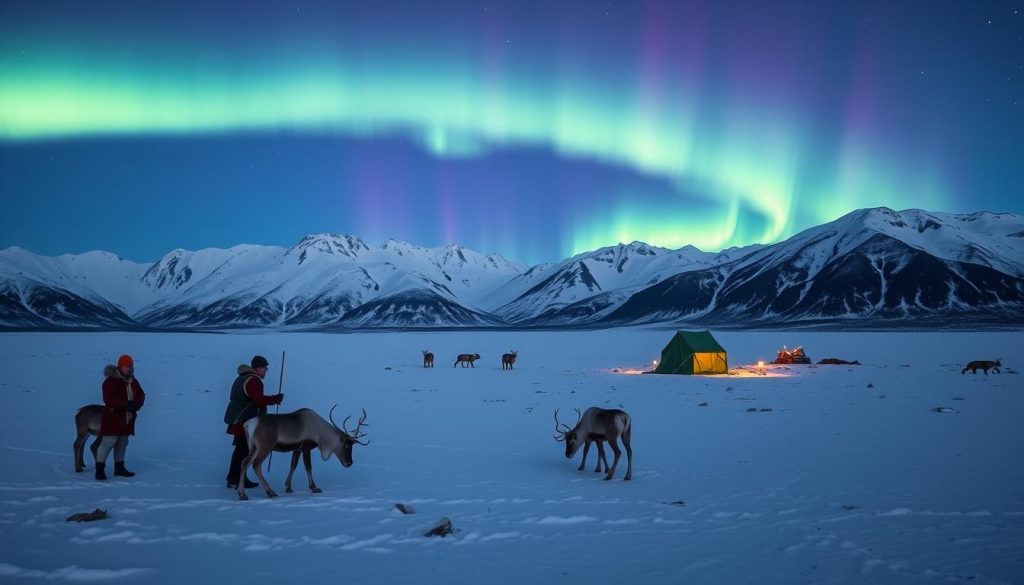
{"x":277,"y":409}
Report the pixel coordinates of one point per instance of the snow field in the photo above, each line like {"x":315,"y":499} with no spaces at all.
{"x":840,"y":482}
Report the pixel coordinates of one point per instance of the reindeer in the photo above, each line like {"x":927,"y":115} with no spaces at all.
{"x":598,"y":424}
{"x":466,"y":358}
{"x":983,"y":365}
{"x":428,"y":359}
{"x":560,"y":433}
{"x":297,"y":432}
{"x":508,"y":359}
{"x":87,"y":422}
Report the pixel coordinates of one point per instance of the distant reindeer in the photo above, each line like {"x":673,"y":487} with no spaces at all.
{"x":508,"y":359}
{"x":983,"y":365}
{"x":466,"y":358}
{"x":87,"y":422}
{"x":428,"y":359}
{"x":598,"y":424}
{"x":297,"y":432}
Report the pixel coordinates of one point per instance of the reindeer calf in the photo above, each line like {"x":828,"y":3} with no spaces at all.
{"x":428,"y":359}
{"x":466,"y":358}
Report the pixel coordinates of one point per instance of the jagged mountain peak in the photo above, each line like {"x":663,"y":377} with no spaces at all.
{"x":401,"y":247}
{"x":329,"y":244}
{"x":619,"y":250}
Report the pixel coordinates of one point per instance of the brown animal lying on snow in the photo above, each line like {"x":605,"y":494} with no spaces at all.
{"x":982,"y":365}
{"x":837,"y":362}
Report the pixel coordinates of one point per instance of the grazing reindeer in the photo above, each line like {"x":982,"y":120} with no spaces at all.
{"x":428,"y":359}
{"x":560,"y":433}
{"x":508,"y":359}
{"x":598,"y":424}
{"x":983,"y":365}
{"x":466,"y":358}
{"x":87,"y":422}
{"x":297,"y":432}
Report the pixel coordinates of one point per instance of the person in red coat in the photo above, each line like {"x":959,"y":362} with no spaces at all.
{"x":122,"y":398}
{"x":247,"y":401}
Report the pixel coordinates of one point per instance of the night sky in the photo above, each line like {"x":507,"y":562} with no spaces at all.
{"x":530,"y":129}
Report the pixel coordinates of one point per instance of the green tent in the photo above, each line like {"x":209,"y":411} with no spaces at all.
{"x":693,"y":352}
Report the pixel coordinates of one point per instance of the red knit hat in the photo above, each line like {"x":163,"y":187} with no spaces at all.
{"x":125,"y":360}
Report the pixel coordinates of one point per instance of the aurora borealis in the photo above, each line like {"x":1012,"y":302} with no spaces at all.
{"x":519,"y":128}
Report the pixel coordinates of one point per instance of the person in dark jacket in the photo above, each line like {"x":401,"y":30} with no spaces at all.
{"x":247,"y":401}
{"x":122,"y":399}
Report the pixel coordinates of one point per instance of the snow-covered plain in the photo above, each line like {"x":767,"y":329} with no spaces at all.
{"x":851,"y":477}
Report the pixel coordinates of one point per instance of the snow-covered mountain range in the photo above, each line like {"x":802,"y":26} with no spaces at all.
{"x":872,"y":265}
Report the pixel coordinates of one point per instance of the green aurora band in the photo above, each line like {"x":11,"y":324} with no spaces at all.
{"x":744,"y":159}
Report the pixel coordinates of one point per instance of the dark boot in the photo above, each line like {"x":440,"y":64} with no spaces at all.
{"x":240,"y":452}
{"x":120,"y":471}
{"x":233,"y":484}
{"x":101,"y":472}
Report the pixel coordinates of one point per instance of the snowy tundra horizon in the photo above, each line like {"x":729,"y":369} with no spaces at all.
{"x":901,"y":470}
{"x":872,"y":268}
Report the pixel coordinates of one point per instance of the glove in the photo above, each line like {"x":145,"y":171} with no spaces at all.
{"x":280,"y":398}
{"x":132,"y":406}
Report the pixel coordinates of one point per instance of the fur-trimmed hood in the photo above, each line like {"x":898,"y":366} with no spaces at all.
{"x":245,"y":369}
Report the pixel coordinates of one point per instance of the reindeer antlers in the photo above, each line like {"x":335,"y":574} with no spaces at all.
{"x":561,"y":429}
{"x":355,"y":433}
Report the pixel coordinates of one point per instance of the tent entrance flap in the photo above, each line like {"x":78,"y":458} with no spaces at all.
{"x":693,"y":352}
{"x":709,"y":363}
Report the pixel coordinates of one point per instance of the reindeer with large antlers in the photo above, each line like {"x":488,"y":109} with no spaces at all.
{"x":298,"y":432}
{"x":598,"y":425}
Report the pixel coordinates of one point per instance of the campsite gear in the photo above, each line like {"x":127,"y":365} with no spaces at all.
{"x":792,"y":356}
{"x":101,"y":473}
{"x":693,"y":352}
{"x":121,"y":471}
{"x":280,"y":385}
